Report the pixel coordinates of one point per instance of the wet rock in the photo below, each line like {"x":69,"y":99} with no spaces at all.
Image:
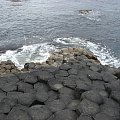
{"x":56,"y":105}
{"x":39,"y":112}
{"x":65,"y":115}
{"x":103,"y":116}
{"x":88,"y":107}
{"x":85,"y":117}
{"x":18,"y":114}
{"x":93,"y":96}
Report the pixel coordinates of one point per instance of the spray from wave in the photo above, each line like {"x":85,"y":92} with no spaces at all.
{"x":104,"y":55}
{"x":30,"y":53}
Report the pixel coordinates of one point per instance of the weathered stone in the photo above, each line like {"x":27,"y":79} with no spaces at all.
{"x":2,"y":95}
{"x":85,"y":117}
{"x":98,"y":85}
{"x":111,"y":103}
{"x":39,"y":112}
{"x":31,"y":65}
{"x":9,"y":102}
{"x":3,"y":117}
{"x":113,"y":85}
{"x":116,"y":96}
{"x":52,"y":96}
{"x":88,"y":107}
{"x":61,"y":73}
{"x":56,"y":105}
{"x":40,"y":87}
{"x":44,"y":75}
{"x":103,"y":116}
{"x":73,"y":104}
{"x":55,"y":84}
{"x":41,"y":96}
{"x":93,"y":96}
{"x":111,"y":111}
{"x":107,"y":77}
{"x":95,"y":76}
{"x":66,"y":91}
{"x":65,"y":67}
{"x":70,"y":82}
{"x":65,"y":115}
{"x":82,"y":85}
{"x":14,"y":95}
{"x":72,"y":71}
{"x":9,"y":87}
{"x":25,"y":87}
{"x":8,"y":67}
{"x":27,"y":77}
{"x":18,"y":114}
{"x":4,"y":108}
{"x":26,"y":99}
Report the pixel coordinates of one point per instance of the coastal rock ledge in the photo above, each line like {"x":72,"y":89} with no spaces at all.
{"x":70,"y":85}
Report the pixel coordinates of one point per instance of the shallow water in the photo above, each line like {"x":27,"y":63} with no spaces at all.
{"x":35,"y":25}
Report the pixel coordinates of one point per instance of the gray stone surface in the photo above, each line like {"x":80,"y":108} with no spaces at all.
{"x":39,"y":112}
{"x":88,"y":107}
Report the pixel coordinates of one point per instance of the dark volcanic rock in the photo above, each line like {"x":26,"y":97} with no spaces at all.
{"x":18,"y":114}
{"x":85,"y":117}
{"x":93,"y":96}
{"x":88,"y":107}
{"x":103,"y":116}
{"x":4,"y":108}
{"x":65,"y":115}
{"x":116,"y":96}
{"x":56,"y":105}
{"x":42,"y":95}
{"x":39,"y":112}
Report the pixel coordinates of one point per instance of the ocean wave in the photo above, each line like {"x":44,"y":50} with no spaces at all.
{"x":30,"y":53}
{"x":103,"y":54}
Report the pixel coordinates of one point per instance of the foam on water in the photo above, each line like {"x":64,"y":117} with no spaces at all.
{"x":104,"y":55}
{"x":30,"y":53}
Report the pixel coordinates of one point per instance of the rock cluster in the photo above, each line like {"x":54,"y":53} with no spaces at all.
{"x":76,"y":89}
{"x":8,"y":67}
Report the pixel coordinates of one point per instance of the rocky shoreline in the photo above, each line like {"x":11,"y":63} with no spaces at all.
{"x":71,"y":85}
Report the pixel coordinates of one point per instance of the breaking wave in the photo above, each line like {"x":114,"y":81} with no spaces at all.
{"x":104,"y":55}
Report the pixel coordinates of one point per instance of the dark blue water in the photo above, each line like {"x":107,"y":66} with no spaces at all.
{"x":39,"y":21}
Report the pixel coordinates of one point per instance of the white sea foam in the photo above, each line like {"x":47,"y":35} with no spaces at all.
{"x":104,"y":55}
{"x":31,"y":53}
